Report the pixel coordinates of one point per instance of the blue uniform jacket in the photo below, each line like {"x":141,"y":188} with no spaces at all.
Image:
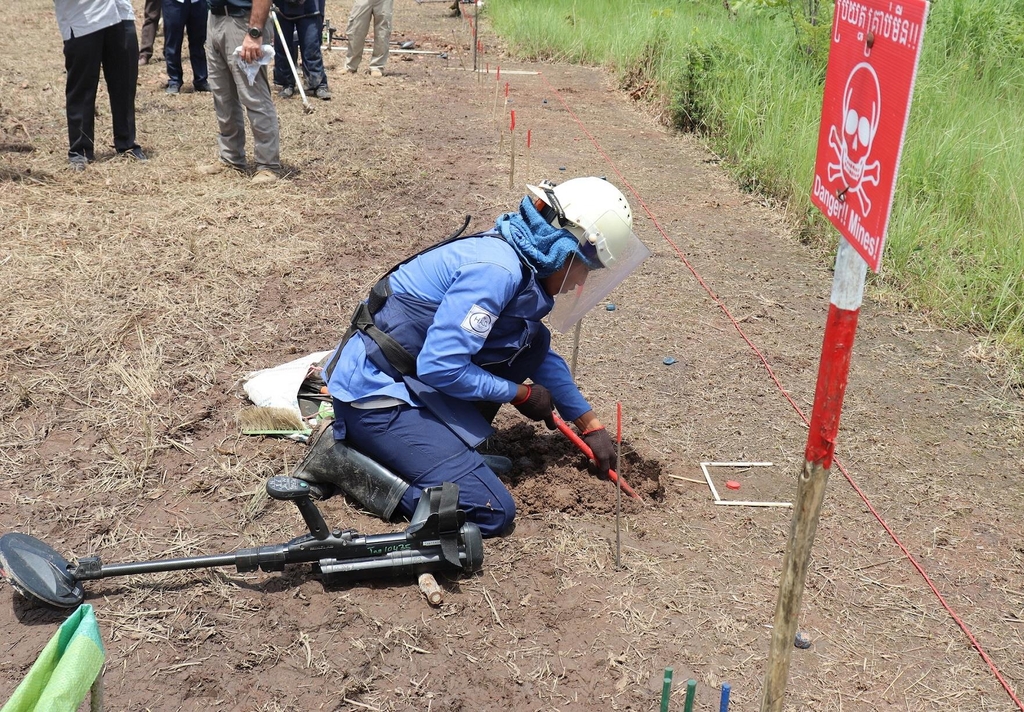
{"x":473,"y":293}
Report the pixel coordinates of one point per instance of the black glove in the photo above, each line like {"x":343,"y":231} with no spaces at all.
{"x":537,"y":405}
{"x":600,"y":443}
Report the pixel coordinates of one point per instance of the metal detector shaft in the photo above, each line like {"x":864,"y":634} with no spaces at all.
{"x":340,"y":550}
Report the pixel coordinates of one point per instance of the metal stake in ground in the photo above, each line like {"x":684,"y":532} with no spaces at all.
{"x":291,"y":63}
{"x":575,"y":348}
{"x":618,"y":485}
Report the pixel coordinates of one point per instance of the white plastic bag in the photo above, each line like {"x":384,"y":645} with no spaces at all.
{"x":278,"y":387}
{"x":253,"y":68}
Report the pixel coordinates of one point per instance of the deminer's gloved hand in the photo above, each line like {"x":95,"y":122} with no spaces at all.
{"x":600,"y":443}
{"x":536,"y":405}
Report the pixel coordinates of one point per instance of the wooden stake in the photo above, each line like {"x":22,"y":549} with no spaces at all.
{"x":840,"y":328}
{"x":528,"y":137}
{"x":430,"y":589}
{"x":512,"y":162}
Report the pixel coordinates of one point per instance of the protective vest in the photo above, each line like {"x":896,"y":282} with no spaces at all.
{"x":393,"y":328}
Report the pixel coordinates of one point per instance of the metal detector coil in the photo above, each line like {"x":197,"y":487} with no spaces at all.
{"x":438,"y":539}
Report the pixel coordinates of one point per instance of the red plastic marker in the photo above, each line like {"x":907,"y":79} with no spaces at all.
{"x":497,"y":77}
{"x":732,"y":484}
{"x":512,"y":123}
{"x":506,"y":90}
{"x":528,"y":137}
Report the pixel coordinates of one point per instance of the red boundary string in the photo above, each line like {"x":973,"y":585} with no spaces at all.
{"x":721,"y":305}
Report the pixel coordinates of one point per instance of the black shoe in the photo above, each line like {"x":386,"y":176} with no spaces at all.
{"x":286,"y":92}
{"x":173,"y":88}
{"x":133,"y":154}
{"x":322,"y":93}
{"x":202,"y":87}
{"x":77,"y":162}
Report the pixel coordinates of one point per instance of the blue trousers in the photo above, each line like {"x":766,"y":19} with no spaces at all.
{"x":181,"y":18}
{"x":310,"y":32}
{"x":415,"y":445}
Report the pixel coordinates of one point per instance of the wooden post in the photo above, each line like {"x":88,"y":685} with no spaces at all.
{"x":512,"y":161}
{"x":476,"y":41}
{"x":840,"y":328}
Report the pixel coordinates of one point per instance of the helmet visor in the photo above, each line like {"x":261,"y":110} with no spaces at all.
{"x":582,"y":288}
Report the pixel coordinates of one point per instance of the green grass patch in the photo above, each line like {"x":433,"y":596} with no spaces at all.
{"x":749,"y":75}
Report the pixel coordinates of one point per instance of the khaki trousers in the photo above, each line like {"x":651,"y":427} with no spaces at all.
{"x":234,"y":97}
{"x":359,"y":24}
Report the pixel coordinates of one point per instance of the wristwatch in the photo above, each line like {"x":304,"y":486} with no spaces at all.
{"x":255,"y":32}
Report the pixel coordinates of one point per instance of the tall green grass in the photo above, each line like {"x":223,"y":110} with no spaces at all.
{"x":750,"y":78}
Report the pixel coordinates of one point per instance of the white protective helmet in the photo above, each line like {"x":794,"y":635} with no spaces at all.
{"x":593,"y":210}
{"x":598,"y":215}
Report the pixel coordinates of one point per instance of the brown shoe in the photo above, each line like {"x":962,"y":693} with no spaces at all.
{"x":216,"y":168}
{"x":264,"y":177}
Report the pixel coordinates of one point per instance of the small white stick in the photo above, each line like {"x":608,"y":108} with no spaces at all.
{"x":687,"y":479}
{"x":737,"y":464}
{"x":753,"y":504}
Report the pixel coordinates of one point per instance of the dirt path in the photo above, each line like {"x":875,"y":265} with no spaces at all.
{"x":138,"y":296}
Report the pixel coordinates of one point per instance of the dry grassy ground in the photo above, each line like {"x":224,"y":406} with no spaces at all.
{"x":137,"y":296}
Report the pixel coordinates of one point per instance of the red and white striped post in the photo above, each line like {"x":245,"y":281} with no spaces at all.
{"x":868,"y":87}
{"x":844,"y":308}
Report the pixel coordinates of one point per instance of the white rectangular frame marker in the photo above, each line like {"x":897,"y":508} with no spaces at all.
{"x":737,"y":503}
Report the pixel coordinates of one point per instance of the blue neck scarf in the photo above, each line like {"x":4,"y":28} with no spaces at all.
{"x":541,"y":246}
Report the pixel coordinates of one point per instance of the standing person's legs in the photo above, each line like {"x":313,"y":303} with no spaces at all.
{"x":257,"y":100}
{"x":82,"y":58}
{"x":382,"y":13}
{"x":358,"y":26}
{"x":196,"y":29}
{"x":415,"y":445}
{"x":226,"y":104}
{"x":312,"y":57}
{"x":151,"y":19}
{"x":121,"y":71}
{"x":175,"y":17}
{"x":284,"y":45}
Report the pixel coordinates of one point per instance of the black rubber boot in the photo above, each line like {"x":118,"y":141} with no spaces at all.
{"x":330,"y":462}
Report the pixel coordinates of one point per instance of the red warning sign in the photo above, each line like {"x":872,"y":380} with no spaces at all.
{"x":868,"y":85}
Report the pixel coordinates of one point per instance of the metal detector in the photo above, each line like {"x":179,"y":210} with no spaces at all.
{"x":437,"y":539}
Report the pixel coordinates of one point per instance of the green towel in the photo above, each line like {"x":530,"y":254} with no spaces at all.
{"x":65,"y":670}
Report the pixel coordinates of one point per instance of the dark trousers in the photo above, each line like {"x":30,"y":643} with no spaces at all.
{"x":181,"y":18}
{"x":116,"y":50}
{"x":150,"y":20}
{"x":423,"y":451}
{"x":310,"y":30}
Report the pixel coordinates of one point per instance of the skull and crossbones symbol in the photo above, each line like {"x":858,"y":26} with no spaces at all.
{"x":862,"y":104}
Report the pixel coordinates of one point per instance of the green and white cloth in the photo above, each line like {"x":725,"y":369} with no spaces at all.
{"x":65,"y":670}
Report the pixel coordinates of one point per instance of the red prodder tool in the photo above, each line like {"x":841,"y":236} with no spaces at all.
{"x":578,"y":442}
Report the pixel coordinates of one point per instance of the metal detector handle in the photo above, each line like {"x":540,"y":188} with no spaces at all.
{"x":282,"y":487}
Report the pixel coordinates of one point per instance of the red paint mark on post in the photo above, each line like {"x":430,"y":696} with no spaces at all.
{"x":618,"y":423}
{"x":506,"y":90}
{"x":833,"y":371}
{"x":528,"y":136}
{"x":512,"y":122}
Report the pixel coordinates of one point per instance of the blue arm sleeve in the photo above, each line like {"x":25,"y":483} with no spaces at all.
{"x":554,"y":375}
{"x":479,"y":290}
